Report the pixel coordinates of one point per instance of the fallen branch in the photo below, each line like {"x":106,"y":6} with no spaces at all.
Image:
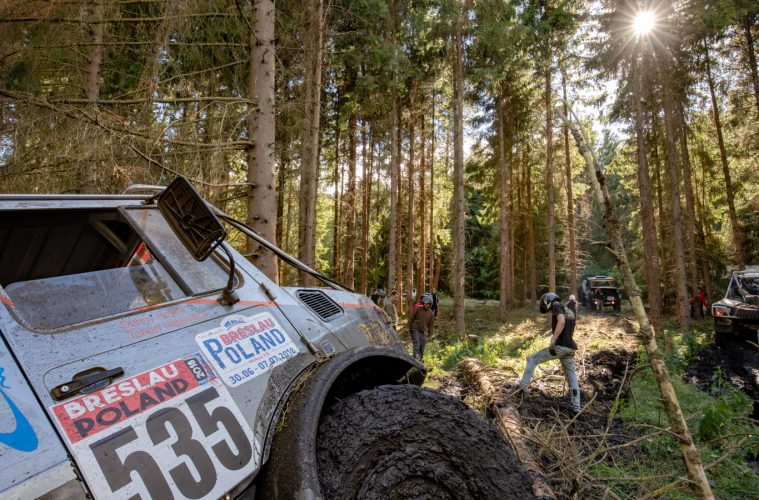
{"x":507,"y":420}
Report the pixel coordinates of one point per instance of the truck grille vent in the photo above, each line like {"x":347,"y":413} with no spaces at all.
{"x":324,"y":307}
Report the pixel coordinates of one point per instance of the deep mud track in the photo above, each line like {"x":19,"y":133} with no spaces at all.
{"x":736,"y":363}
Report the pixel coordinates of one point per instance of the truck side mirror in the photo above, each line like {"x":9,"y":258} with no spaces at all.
{"x":197,"y":227}
{"x":190,"y":218}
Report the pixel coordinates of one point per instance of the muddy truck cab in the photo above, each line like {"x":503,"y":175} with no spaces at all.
{"x":736,"y":315}
{"x":142,"y":357}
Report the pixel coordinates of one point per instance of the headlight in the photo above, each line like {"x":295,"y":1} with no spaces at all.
{"x":718,"y":311}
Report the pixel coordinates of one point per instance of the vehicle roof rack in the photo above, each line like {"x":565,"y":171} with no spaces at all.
{"x":144,"y":188}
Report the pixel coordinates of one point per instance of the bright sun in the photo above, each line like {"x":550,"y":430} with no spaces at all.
{"x":644,"y":23}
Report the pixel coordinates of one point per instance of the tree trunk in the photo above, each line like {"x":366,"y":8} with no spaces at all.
{"x":736,"y":229}
{"x":530,"y":228}
{"x":89,"y":173}
{"x":751,"y":53}
{"x":459,"y":197}
{"x":549,"y":181}
{"x":262,"y":197}
{"x":504,"y":148}
{"x":650,"y":246}
{"x":313,"y":47}
{"x":421,"y":280}
{"x":394,"y":168}
{"x":336,"y":200}
{"x":570,"y":198}
{"x":691,"y":252}
{"x":410,"y":207}
{"x":678,"y":425}
{"x":350,"y":203}
{"x":367,"y":184}
{"x":670,"y":160}
{"x":433,"y":285}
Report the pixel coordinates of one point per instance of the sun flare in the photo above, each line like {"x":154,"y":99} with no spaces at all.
{"x":644,"y":23}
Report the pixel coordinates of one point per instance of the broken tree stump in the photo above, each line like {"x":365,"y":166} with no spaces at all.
{"x":507,"y":420}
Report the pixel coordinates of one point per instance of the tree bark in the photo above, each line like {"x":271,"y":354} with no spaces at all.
{"x":751,"y":56}
{"x":336,"y":202}
{"x":421,"y":266}
{"x":670,"y":160}
{"x":314,"y":45}
{"x":678,"y":425}
{"x":504,"y":148}
{"x":650,"y":245}
{"x":691,"y":252}
{"x":571,"y":235}
{"x":350,"y":202}
{"x":736,"y":229}
{"x":394,"y":168}
{"x":459,"y":197}
{"x":367,"y":184}
{"x":551,"y":236}
{"x":262,"y":196}
{"x":530,"y":228}
{"x":89,"y":173}
{"x":410,"y":223}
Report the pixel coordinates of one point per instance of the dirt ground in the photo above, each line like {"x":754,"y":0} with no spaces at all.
{"x":602,"y":371}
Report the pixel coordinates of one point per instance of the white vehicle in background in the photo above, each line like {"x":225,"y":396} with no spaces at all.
{"x":142,"y":357}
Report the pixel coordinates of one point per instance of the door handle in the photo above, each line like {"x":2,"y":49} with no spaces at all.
{"x":84,"y":382}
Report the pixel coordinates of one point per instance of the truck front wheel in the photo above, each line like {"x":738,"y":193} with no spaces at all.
{"x":402,"y":441}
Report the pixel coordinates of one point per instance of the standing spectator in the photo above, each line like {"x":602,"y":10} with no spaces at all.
{"x":434,"y":301}
{"x":421,"y":324}
{"x":389,"y":305}
{"x":562,"y":346}
{"x":375,"y":295}
{"x":702,"y":302}
{"x":572,"y":305}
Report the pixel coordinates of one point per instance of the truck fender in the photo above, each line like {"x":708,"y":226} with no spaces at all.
{"x":291,"y":471}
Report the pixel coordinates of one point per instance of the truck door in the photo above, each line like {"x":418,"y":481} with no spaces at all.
{"x":33,"y":461}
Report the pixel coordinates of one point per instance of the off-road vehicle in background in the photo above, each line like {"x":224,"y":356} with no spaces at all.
{"x":142,"y":357}
{"x":737,"y":314}
{"x":598,"y":292}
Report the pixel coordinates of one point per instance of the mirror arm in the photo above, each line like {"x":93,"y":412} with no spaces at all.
{"x":228,"y":295}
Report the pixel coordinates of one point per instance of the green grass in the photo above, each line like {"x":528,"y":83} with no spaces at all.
{"x":717,"y":421}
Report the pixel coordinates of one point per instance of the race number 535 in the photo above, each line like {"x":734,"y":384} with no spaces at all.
{"x":200,"y":448}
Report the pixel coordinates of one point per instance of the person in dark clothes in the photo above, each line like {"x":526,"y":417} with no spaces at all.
{"x":562,"y":346}
{"x":375,"y":296}
{"x":421,"y":324}
{"x":434,"y":301}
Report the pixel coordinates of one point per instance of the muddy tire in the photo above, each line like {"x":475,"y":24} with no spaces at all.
{"x":747,"y":311}
{"x":406,"y":442}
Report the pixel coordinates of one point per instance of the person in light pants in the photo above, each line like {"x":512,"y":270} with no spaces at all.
{"x":562,"y":346}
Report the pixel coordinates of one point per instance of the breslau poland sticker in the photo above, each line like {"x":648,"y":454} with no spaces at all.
{"x":171,"y":432}
{"x":244,"y":347}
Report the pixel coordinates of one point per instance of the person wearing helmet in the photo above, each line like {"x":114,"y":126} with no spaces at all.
{"x":562,"y":346}
{"x":420,"y":325}
{"x":572,"y":305}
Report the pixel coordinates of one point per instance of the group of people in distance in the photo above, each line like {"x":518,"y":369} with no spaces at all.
{"x":421,"y":321}
{"x":562,"y":346}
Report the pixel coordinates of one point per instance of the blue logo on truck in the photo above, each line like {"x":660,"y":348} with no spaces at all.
{"x":23,"y":437}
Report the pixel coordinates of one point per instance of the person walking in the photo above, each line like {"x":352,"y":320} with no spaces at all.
{"x":421,"y":324}
{"x":389,"y":305}
{"x":572,"y":305}
{"x":562,"y":347}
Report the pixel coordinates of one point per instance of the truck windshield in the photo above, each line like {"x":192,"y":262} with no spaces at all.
{"x":60,"y":268}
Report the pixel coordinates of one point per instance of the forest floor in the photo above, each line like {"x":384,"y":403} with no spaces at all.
{"x":618,"y":446}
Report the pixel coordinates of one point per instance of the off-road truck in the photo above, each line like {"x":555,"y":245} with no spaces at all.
{"x":142,"y":357}
{"x":736,"y":316}
{"x":598,"y":292}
